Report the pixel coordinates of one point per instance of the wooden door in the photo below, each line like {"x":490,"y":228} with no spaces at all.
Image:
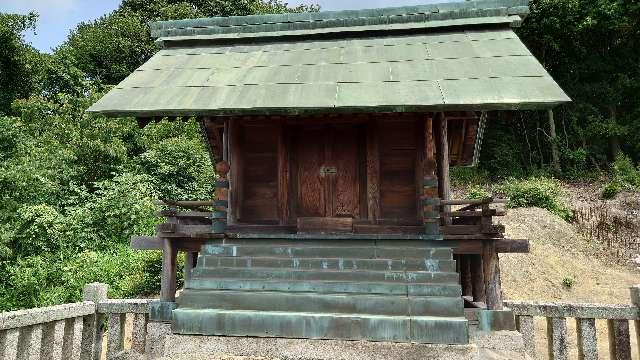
{"x":327,"y":176}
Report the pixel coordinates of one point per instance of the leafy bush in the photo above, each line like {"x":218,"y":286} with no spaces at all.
{"x":477,"y":192}
{"x":611,"y":190}
{"x":536,"y":192}
{"x":625,"y":176}
{"x":74,"y":189}
{"x":468,"y":175}
{"x":52,"y":279}
{"x":624,"y":171}
{"x":568,"y":282}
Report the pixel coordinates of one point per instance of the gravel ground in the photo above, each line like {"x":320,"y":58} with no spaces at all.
{"x":558,"y":252}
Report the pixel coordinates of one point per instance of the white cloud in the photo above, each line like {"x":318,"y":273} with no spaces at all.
{"x":43,"y":7}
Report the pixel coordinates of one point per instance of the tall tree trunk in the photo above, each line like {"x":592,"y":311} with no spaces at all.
{"x":555,"y":154}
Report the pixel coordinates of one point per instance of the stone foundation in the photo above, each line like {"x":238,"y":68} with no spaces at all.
{"x":162,"y":344}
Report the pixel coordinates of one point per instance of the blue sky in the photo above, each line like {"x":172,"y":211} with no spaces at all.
{"x":58,"y":17}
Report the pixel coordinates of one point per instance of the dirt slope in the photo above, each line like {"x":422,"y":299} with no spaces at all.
{"x":557,"y":251}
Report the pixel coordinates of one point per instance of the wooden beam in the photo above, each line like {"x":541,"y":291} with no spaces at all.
{"x":491,"y":270}
{"x":168,"y":284}
{"x":145,"y":243}
{"x":373,"y":171}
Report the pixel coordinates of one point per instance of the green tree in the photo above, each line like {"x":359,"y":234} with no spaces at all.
{"x":16,"y":58}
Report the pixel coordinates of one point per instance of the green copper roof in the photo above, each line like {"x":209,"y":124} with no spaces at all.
{"x":448,"y":64}
{"x":474,"y":9}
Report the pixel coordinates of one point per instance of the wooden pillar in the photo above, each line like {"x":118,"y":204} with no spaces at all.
{"x":235,"y":176}
{"x":491,"y":269}
{"x":442,"y":156}
{"x":430,"y":198}
{"x":283,"y":174}
{"x":373,"y":171}
{"x":465,"y":275}
{"x":477,"y":279}
{"x":168,"y":284}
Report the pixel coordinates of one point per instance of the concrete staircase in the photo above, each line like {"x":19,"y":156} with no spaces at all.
{"x":353,"y":290}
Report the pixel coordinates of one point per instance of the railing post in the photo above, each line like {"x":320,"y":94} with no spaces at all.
{"x":93,"y":325}
{"x":3,"y":344}
{"x":557,"y":338}
{"x":139,"y":335}
{"x":587,"y":339}
{"x":221,"y":201}
{"x":115,"y":338}
{"x":47,"y":340}
{"x":635,"y":300}
{"x":619,"y":339}
{"x":526,"y":327}
{"x":67,"y":338}
{"x":25,"y":338}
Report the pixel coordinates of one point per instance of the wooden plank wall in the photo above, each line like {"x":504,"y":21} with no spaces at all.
{"x":394,"y":154}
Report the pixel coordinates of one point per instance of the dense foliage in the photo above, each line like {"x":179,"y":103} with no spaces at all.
{"x":592,"y":49}
{"x":74,"y":187}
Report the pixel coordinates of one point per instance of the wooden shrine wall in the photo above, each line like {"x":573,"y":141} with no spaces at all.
{"x":380,"y":159}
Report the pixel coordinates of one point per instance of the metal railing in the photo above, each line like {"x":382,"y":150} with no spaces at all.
{"x":34,"y":333}
{"x":585,"y":315}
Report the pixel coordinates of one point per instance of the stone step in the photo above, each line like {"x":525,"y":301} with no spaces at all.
{"x":420,"y":329}
{"x":327,"y":287}
{"x":326,"y":275}
{"x":210,"y":261}
{"x":344,"y":252}
{"x":322,"y":303}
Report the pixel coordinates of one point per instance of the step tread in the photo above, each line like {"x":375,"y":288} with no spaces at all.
{"x":357,"y":271}
{"x":421,"y":329}
{"x":325,"y":314}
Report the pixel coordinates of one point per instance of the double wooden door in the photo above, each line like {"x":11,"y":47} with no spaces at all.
{"x":326,"y":171}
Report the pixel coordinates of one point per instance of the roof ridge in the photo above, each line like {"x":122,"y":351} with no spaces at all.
{"x":344,"y":18}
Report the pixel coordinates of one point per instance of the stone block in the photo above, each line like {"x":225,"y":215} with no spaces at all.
{"x":124,"y":306}
{"x":496,"y":320}
{"x":95,"y":292}
{"x":22,"y":318}
{"x":216,"y":347}
{"x":161,"y":311}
